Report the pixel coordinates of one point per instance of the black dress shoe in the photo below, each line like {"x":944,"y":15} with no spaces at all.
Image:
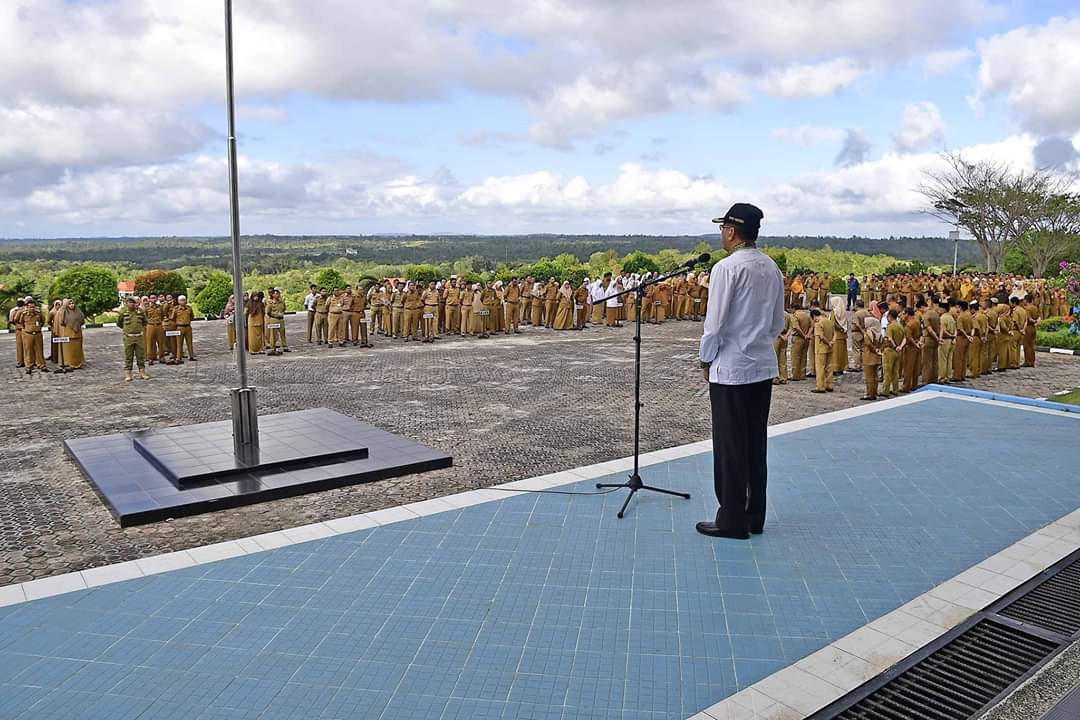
{"x":712,"y":530}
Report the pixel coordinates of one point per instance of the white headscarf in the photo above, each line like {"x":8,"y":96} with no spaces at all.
{"x":839,"y":313}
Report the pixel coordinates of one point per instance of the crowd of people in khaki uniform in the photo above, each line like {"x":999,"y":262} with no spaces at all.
{"x":415,"y":311}
{"x":911,"y":330}
{"x":65,"y":322}
{"x":904,"y":331}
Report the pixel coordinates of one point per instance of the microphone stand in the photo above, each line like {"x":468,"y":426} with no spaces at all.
{"x":635,"y":483}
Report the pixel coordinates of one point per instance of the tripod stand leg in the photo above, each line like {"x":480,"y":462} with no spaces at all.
{"x":683,"y":495}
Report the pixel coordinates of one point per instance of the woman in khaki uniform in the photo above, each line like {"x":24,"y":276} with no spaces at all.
{"x":824,"y":338}
{"x":255,"y":311}
{"x":564,"y":314}
{"x":479,"y":318}
{"x":838,"y":308}
{"x":871,"y":356}
{"x":71,"y":326}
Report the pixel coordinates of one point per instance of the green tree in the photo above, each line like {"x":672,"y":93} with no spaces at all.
{"x":669,"y":259}
{"x":544,"y":269}
{"x":215,"y":294}
{"x":422,"y":273}
{"x":159,"y":282}
{"x":92,"y":287}
{"x":329,"y":278}
{"x":639,"y":262}
{"x":779,"y":257}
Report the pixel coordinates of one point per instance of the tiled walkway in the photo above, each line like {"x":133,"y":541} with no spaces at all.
{"x":546,"y":606}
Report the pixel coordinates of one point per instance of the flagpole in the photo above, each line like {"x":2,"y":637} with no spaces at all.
{"x":244,"y":414}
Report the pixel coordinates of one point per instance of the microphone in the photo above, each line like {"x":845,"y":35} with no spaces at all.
{"x":699,"y":260}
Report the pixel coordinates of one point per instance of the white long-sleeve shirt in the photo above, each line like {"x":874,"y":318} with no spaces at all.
{"x":745,"y":315}
{"x":309,"y":302}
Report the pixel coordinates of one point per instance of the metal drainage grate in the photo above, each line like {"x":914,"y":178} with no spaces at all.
{"x":1054,"y":605}
{"x":957,"y":680}
{"x":968,"y":669}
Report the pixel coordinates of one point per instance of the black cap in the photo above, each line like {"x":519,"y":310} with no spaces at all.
{"x":742,"y":215}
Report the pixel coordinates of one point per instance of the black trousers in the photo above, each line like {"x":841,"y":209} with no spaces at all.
{"x":740,"y":421}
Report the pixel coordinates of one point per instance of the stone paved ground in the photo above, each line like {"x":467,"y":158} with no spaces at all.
{"x":506,"y":408}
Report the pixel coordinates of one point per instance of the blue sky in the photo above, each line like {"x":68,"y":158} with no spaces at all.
{"x":517,"y":116}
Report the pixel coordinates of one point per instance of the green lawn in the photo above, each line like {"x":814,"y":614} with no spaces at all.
{"x":1072,"y":398}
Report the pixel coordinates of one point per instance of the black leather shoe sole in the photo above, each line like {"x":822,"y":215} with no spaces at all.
{"x":710,"y":529}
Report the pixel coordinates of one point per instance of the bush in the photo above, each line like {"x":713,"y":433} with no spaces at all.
{"x":838,"y":286}
{"x":92,"y":287}
{"x":1060,"y":339}
{"x":160,"y":282}
{"x":329,"y":278}
{"x":545,"y":269}
{"x":212,"y":298}
{"x":639,"y":262}
{"x":1052,"y":324}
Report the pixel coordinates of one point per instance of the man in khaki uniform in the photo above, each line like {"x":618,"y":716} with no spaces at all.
{"x":979,"y":327}
{"x":430,"y":312}
{"x":824,"y":337}
{"x":931,"y":340}
{"x":947,"y":345}
{"x":1002,"y":339}
{"x":490,"y":300}
{"x":965,"y":332}
{"x":155,"y":332}
{"x":893,"y":347}
{"x":511,"y":297}
{"x":551,"y":297}
{"x":781,"y":347}
{"x":16,"y":327}
{"x":452,"y":297}
{"x":802,"y":329}
{"x":358,"y":328}
{"x":275,"y":321}
{"x":335,"y":318}
{"x":30,"y":323}
{"x":347,"y":334}
{"x":322,"y":323}
{"x":411,"y":303}
{"x":183,"y":315}
{"x":397,"y":314}
{"x":913,"y":346}
{"x":132,"y":322}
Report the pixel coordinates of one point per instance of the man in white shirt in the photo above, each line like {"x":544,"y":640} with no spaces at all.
{"x":309,"y":304}
{"x":744,"y":317}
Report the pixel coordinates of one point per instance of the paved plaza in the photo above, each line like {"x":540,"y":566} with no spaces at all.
{"x":526,"y":605}
{"x":506,"y":409}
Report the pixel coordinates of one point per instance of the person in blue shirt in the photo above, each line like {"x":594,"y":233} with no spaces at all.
{"x":852,"y":290}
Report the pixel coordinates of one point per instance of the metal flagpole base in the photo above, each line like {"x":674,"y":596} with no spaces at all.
{"x":245,"y":420}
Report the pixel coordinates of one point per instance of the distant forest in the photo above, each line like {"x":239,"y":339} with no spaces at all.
{"x":278,"y":253}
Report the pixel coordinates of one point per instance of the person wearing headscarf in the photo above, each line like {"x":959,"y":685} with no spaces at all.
{"x":228,"y":314}
{"x":72,"y":320}
{"x":564,"y":314}
{"x":255,"y":310}
{"x":871,"y":355}
{"x":838,"y":308}
{"x":581,"y":305}
{"x":613,"y":304}
{"x":479,"y":313}
{"x":53,"y":319}
{"x":537,"y":304}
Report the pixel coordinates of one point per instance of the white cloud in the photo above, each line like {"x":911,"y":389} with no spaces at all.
{"x":922,"y":127}
{"x":262,"y":113}
{"x":807,"y":135}
{"x":35,"y":134}
{"x":943,"y":61}
{"x":855,"y":150}
{"x":816,"y":80}
{"x":559,"y":55}
{"x":1037,"y":70}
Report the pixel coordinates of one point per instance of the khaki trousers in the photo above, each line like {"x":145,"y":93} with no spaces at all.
{"x":798,"y":357}
{"x":781,"y":347}
{"x":944,"y":360}
{"x":890,"y":371}
{"x":870,"y":378}
{"x":823,"y":371}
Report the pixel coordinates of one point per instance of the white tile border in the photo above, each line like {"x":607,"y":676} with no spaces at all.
{"x":94,"y":577}
{"x":827,"y":675}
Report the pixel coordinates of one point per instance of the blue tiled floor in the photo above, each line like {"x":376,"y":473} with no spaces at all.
{"x":547,"y":606}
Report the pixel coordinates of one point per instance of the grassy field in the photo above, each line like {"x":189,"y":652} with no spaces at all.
{"x":1071,"y":398}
